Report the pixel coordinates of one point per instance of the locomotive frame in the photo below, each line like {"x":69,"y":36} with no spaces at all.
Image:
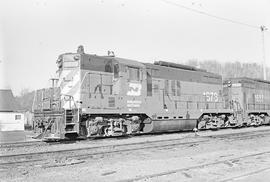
{"x":109,"y":96}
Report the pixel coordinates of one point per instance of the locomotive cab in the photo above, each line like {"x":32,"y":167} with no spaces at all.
{"x":111,"y":94}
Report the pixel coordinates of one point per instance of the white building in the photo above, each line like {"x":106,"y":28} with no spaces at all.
{"x":11,"y":121}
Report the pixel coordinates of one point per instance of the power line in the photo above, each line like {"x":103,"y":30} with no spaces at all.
{"x":210,"y":15}
{"x":263,"y":29}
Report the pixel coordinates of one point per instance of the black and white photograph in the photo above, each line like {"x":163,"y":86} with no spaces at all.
{"x":134,"y":90}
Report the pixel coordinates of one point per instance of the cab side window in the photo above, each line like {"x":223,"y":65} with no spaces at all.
{"x":116,"y":71}
{"x":134,"y":73}
{"x":108,"y":67}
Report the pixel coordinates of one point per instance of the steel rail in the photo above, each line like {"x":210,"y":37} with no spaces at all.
{"x":150,"y":176}
{"x":90,"y":151}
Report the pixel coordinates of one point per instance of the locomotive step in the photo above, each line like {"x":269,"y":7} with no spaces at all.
{"x":70,"y":131}
{"x":70,"y":116}
{"x":70,"y":123}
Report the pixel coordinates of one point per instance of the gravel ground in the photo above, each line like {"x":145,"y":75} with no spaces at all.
{"x":220,"y":159}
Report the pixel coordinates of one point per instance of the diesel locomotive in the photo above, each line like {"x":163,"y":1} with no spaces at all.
{"x":99,"y":96}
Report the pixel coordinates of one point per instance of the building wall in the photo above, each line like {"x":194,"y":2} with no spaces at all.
{"x":11,"y":121}
{"x":28,"y":118}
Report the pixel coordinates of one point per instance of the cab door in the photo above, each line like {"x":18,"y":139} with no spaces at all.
{"x":134,"y":92}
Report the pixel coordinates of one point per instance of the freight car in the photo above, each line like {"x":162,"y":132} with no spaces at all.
{"x":250,"y":98}
{"x":110,"y":96}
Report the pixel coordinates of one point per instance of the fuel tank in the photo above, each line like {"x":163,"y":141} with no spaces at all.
{"x":169,"y":125}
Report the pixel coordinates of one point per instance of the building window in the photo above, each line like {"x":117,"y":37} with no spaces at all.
{"x":18,"y":117}
{"x":134,"y":74}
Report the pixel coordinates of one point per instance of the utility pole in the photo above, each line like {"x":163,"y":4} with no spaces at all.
{"x":263,"y":28}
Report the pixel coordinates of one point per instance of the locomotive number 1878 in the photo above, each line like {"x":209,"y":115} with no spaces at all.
{"x":211,"y":96}
{"x":258,"y":98}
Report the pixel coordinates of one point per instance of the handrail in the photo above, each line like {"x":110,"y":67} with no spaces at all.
{"x":70,"y":97}
{"x":34,"y":101}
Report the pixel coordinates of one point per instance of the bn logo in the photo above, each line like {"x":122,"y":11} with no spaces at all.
{"x":134,"y":89}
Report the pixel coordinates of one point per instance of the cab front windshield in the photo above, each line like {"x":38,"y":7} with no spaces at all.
{"x":67,"y":62}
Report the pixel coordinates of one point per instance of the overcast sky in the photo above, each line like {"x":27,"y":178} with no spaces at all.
{"x":34,"y":32}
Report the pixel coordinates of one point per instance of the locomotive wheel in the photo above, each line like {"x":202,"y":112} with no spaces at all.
{"x":202,"y":125}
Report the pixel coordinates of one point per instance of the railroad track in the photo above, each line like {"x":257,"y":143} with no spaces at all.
{"x":35,"y":143}
{"x":92,"y":151}
{"x":218,"y":136}
{"x":245,"y":174}
{"x":84,"y":153}
{"x":196,"y":167}
{"x":241,"y":135}
{"x":42,"y":143}
{"x":21,"y":144}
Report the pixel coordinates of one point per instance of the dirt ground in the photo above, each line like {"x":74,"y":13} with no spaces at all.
{"x":219,"y":159}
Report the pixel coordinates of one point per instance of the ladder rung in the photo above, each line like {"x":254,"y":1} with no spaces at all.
{"x":70,"y":123}
{"x":71,"y":131}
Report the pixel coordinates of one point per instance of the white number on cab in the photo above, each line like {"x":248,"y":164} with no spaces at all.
{"x":211,"y":96}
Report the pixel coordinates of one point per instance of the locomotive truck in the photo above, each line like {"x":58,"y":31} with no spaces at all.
{"x":99,"y":96}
